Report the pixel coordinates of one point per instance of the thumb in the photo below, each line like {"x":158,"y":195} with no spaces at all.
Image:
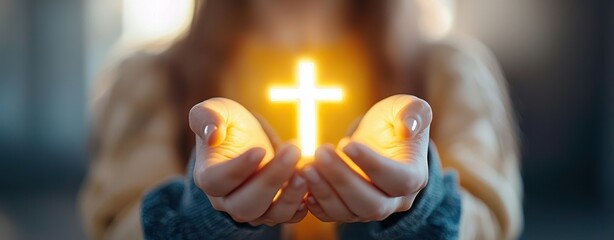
{"x":208,"y":120}
{"x":412,"y":126}
{"x":414,"y":117}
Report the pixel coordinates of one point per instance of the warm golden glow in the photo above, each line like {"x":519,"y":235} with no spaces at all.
{"x":307,"y":96}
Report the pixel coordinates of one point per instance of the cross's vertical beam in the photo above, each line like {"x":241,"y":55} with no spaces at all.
{"x":308,"y":123}
{"x":307,"y":96}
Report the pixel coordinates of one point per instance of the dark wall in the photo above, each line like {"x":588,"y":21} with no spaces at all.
{"x":555,"y":57}
{"x":43,"y":92}
{"x":42,"y":118}
{"x":608,"y":146}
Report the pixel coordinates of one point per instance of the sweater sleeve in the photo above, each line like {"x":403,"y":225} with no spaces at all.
{"x":132,"y":147}
{"x":435,"y":213}
{"x":475,"y":132}
{"x":180,"y":210}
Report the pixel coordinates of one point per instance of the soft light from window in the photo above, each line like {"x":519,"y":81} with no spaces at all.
{"x":437,"y":17}
{"x":150,"y":20}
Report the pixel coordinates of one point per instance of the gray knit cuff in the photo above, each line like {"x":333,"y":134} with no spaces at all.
{"x":180,"y":210}
{"x":435,"y":213}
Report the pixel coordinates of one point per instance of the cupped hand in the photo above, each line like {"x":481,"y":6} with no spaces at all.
{"x":238,"y":169}
{"x":379,"y":170}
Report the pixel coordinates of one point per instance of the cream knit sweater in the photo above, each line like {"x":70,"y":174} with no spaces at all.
{"x":473,"y":129}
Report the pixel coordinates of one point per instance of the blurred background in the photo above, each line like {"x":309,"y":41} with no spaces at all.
{"x":558,"y":56}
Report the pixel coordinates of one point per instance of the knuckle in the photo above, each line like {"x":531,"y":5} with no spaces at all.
{"x":198,"y":181}
{"x":243,"y":214}
{"x":424,"y":182}
{"x":349,"y":219}
{"x":405,"y":206}
{"x":403,"y":189}
{"x":270,"y":224}
{"x":216,"y":205}
{"x":268,"y":221}
{"x":207,"y":187}
{"x":346,"y":217}
{"x":382,"y":217}
{"x":294,"y":220}
{"x":376,"y":212}
{"x":204,"y":183}
{"x":282,"y":219}
{"x":381,"y":214}
{"x":276,"y":215}
{"x":286,"y":219}
{"x":413,"y":181}
{"x":238,"y":219}
{"x":255,"y":223}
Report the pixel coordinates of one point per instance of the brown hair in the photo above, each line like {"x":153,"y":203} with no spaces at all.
{"x":197,"y":60}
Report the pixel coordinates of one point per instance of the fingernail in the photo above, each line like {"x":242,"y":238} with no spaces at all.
{"x":351,"y":150}
{"x":311,"y":200}
{"x":412,"y":125}
{"x":298,"y":181}
{"x":301,"y":207}
{"x":208,"y":132}
{"x":311,"y":174}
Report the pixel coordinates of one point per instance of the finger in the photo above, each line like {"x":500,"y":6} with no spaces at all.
{"x":394,"y":178}
{"x":317,"y":210}
{"x":326,"y":196}
{"x":288,"y":202}
{"x":220,"y":179}
{"x":300,"y":214}
{"x":251,"y":200}
{"x":362,"y":198}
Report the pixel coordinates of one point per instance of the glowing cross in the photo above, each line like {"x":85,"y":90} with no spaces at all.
{"x":307,"y":95}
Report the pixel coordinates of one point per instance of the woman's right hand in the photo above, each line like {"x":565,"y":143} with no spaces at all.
{"x":238,"y":170}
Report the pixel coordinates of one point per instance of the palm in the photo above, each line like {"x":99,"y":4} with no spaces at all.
{"x":239,"y":132}
{"x":388,"y":149}
{"x":385,"y":129}
{"x":238,"y":169}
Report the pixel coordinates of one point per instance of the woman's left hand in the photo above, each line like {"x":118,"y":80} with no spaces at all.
{"x":385,"y":168}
